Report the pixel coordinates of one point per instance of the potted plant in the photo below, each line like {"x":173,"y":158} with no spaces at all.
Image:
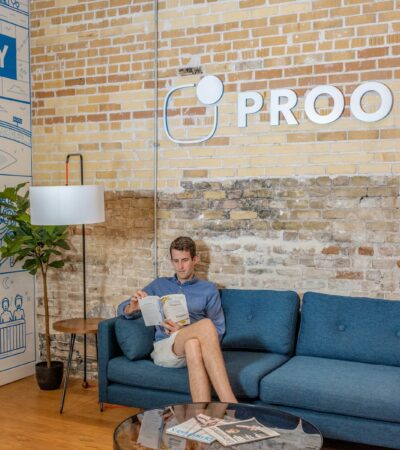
{"x":39,"y":247}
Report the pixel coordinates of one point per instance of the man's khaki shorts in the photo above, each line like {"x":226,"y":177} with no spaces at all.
{"x":163,"y":355}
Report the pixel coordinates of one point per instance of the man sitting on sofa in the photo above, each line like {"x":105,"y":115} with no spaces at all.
{"x":197,"y":345}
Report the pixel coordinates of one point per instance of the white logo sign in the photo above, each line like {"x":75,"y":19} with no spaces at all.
{"x":282,"y":101}
{"x":209,"y":91}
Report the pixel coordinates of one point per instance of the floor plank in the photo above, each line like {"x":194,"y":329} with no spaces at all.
{"x":30,"y":419}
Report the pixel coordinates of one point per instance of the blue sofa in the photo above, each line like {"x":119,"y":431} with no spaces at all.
{"x":338,"y":366}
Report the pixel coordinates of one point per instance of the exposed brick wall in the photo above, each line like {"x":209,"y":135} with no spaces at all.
{"x":91,"y":79}
{"x":306,"y":207}
{"x":326,"y":234}
{"x":92,"y":73}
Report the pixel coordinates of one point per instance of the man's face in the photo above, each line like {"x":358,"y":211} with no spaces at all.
{"x":183,"y":264}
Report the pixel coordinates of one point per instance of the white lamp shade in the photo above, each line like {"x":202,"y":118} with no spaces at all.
{"x":66,"y":205}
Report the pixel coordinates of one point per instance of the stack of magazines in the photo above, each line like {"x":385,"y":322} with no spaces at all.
{"x":227,"y":431}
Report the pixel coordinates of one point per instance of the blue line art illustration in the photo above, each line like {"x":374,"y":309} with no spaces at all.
{"x":12,"y":3}
{"x":5,"y":222}
{"x":22,"y":45}
{"x":15,"y":133}
{"x":14,"y":89}
{"x":7,"y":282}
{"x":15,"y":138}
{"x":19,"y":6}
{"x":17,"y":322}
{"x":15,"y":12}
{"x":19,"y":313}
{"x":12,"y":327}
{"x":18,"y":334}
{"x":22,"y":71}
{"x":6,"y":315}
{"x":14,"y":61}
{"x":6,"y":160}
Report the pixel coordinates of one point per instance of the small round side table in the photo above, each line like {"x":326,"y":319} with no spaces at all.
{"x":74,"y":327}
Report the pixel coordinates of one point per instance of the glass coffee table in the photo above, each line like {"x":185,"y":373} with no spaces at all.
{"x":148,"y":429}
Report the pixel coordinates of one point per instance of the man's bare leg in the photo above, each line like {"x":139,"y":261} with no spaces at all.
{"x":199,"y":382}
{"x":204,"y":331}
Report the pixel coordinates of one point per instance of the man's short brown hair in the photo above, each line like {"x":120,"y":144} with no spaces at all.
{"x":183,"y":244}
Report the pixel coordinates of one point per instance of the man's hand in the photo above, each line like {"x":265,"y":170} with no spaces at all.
{"x":133,"y":305}
{"x":170,"y":326}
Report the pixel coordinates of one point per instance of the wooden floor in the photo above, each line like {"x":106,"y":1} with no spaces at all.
{"x":30,"y":419}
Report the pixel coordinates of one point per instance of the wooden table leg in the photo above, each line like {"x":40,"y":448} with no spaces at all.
{"x":71,"y":349}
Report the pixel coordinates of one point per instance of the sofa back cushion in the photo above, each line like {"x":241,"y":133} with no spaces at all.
{"x":350,"y":328}
{"x":260,"y":320}
{"x":134,"y":338}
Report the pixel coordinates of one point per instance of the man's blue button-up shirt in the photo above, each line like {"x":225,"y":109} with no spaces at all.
{"x":202,"y":298}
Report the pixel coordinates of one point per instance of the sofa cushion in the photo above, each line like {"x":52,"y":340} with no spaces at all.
{"x":260,"y":320}
{"x":134,"y":338}
{"x":245,"y":370}
{"x":333,"y":386}
{"x":144,"y":373}
{"x":351,"y":328}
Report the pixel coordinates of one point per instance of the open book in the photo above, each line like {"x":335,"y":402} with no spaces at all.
{"x":227,"y":431}
{"x":156,"y":309}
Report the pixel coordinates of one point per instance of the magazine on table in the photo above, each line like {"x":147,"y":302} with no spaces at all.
{"x":191,"y":429}
{"x":156,"y":309}
{"x":227,"y":431}
{"x":241,"y":432}
{"x":196,"y":428}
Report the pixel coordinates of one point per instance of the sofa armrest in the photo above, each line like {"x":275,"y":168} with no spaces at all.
{"x":108,"y":348}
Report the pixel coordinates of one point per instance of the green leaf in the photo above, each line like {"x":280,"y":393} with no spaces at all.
{"x":63,"y":244}
{"x":30,"y":264}
{"x":23,"y":217}
{"x":57,"y":264}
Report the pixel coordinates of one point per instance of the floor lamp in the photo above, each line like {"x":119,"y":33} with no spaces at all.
{"x":69,"y":205}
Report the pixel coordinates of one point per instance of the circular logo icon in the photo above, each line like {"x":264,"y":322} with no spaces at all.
{"x":209,"y":90}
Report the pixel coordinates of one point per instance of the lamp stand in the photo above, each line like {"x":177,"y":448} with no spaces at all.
{"x":85,"y":384}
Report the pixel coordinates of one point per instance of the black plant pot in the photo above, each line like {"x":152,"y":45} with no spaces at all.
{"x":47,"y":378}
